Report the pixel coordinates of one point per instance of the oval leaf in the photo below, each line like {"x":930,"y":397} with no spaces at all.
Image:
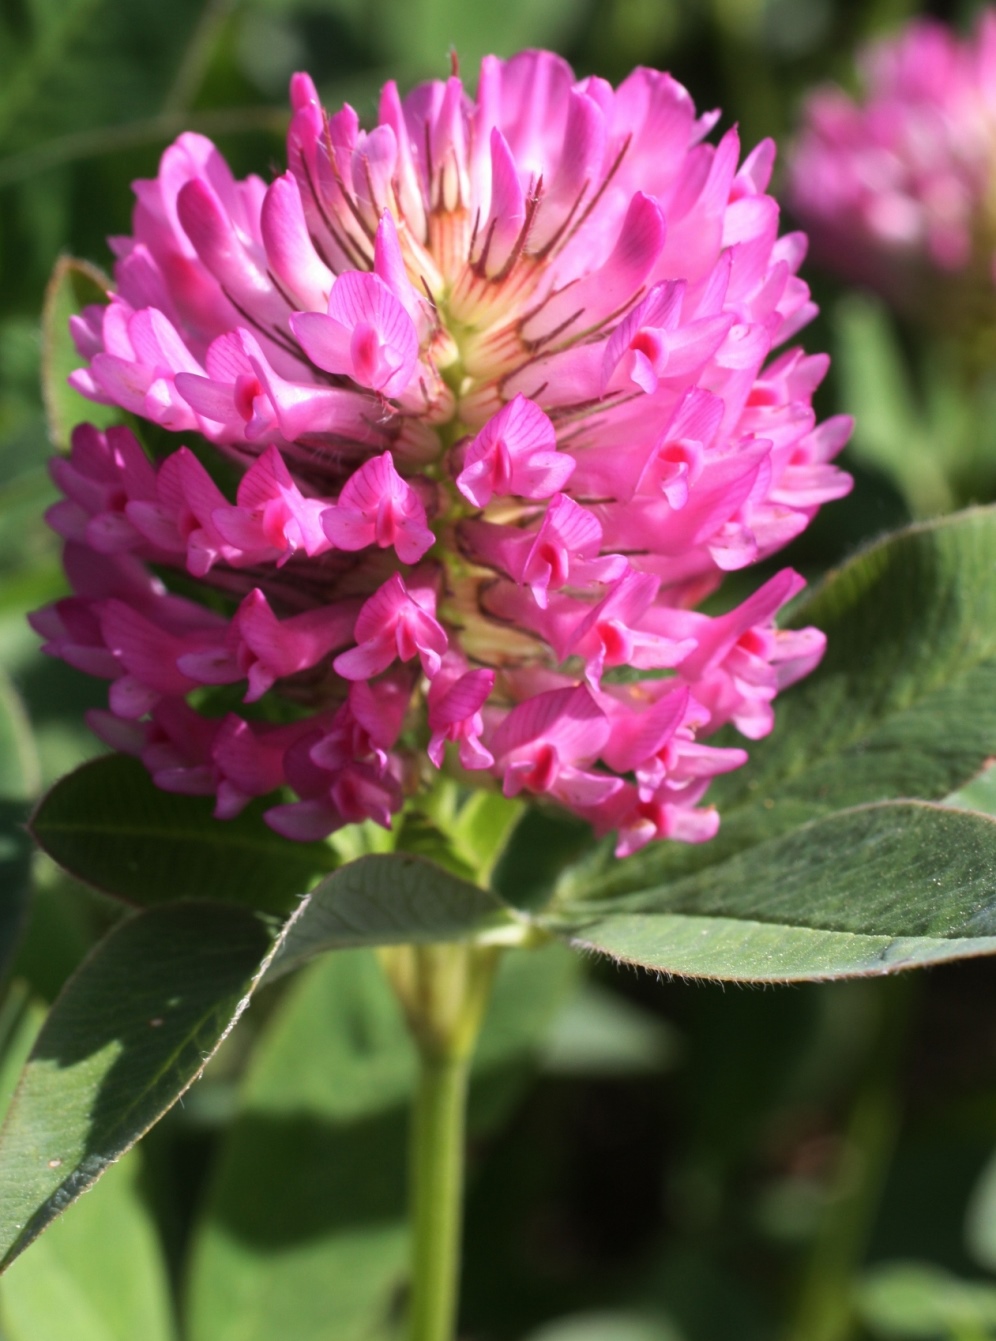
{"x":19,"y":780}
{"x":72,"y":286}
{"x":101,"y":1265}
{"x":921,"y":1300}
{"x":607,"y":1327}
{"x":901,"y":706}
{"x":132,"y":1029}
{"x":980,"y":1218}
{"x":110,"y":826}
{"x":20,"y":772}
{"x":305,"y":1233}
{"x":390,"y":899}
{"x":866,"y":891}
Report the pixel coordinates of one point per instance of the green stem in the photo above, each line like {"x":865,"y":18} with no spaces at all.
{"x":444,"y":990}
{"x":824,"y":1311}
{"x":437,"y":1151}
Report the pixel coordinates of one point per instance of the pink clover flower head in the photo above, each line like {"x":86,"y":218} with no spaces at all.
{"x":896,"y":187}
{"x":472,"y":409}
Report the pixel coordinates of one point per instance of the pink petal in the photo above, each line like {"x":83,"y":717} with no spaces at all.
{"x":367,"y":334}
{"x":507,"y":214}
{"x":289,"y":249}
{"x":389,"y":265}
{"x":569,"y":719}
{"x":462,"y":699}
{"x":515,"y":452}
{"x":378,"y":507}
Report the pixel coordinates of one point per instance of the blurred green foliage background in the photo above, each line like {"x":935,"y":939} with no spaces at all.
{"x":800,"y":1164}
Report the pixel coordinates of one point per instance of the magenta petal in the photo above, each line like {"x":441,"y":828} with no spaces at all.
{"x":361,"y":663}
{"x":347,"y":530}
{"x":636,"y":737}
{"x":131,"y":698}
{"x":326,"y":342}
{"x":286,"y":646}
{"x":581,"y":157}
{"x":304,"y":821}
{"x":508,"y":205}
{"x":515,"y":452}
{"x":567,"y":718}
{"x":289,"y":248}
{"x":389,"y":265}
{"x":303,"y":409}
{"x":146,"y":650}
{"x":463,"y":699}
{"x":214,"y":400}
{"x":360,"y":296}
{"x":158,"y":345}
{"x":210,"y":666}
{"x":122,"y":382}
{"x":378,"y":507}
{"x":217,"y":241}
{"x":266,"y":479}
{"x":367,"y":334}
{"x":660,"y":310}
{"x":393,"y":623}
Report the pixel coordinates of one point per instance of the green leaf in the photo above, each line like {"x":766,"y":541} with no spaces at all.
{"x":27,"y":545}
{"x":110,"y":826}
{"x":920,"y":1300}
{"x":389,"y":899}
{"x":924,"y":416}
{"x":901,"y":706}
{"x":601,"y":1033}
{"x":419,"y":32}
{"x":607,"y":1327}
{"x":541,"y":846}
{"x":421,"y":836}
{"x":20,"y":775}
{"x":531,"y":990}
{"x":866,"y":891}
{"x":484,"y":826}
{"x":890,"y":431}
{"x":101,"y":1266}
{"x":978,"y":794}
{"x":304,"y":1233}
{"x":60,"y":930}
{"x":465,"y":835}
{"x":19,"y":780}
{"x":74,"y":285}
{"x":980,"y":1218}
{"x":21,"y":1019}
{"x":132,"y":1029}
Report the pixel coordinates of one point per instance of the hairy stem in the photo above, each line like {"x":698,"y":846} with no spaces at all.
{"x":444,"y":990}
{"x":437,"y":1150}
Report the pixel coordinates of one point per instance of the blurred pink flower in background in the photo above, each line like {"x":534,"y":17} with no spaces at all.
{"x":901,"y":182}
{"x":494,"y":380}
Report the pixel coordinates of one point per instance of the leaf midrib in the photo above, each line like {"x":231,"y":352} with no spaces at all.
{"x":42,"y":1217}
{"x":114,"y":829}
{"x":622,"y":904}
